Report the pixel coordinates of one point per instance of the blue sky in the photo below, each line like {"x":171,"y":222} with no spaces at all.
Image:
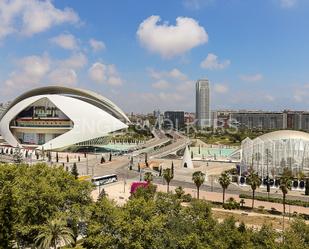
{"x":146,"y":55}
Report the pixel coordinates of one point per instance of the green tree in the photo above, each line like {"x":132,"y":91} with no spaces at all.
{"x":198,"y":178}
{"x":285,"y":184}
{"x":148,"y":177}
{"x":74,"y":171}
{"x":40,"y":192}
{"x":254,"y":181}
{"x":224,"y":181}
{"x":6,"y":217}
{"x":17,"y":156}
{"x":53,"y":234}
{"x":179,"y":192}
{"x":168,"y":176}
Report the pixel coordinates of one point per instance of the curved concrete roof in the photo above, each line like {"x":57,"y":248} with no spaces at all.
{"x":85,"y":95}
{"x":284,"y":134}
{"x":89,"y":121}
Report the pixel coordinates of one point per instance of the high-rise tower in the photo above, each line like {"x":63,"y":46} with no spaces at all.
{"x":202,"y":103}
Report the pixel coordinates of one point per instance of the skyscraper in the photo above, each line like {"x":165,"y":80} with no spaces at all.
{"x":202,"y":103}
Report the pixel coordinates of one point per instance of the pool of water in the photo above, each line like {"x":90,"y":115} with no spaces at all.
{"x":211,"y":152}
{"x":118,"y":147}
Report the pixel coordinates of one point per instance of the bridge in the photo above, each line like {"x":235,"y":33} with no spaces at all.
{"x":163,"y":144}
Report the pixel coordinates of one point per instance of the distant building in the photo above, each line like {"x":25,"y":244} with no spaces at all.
{"x":189,"y":118}
{"x":262,"y":120}
{"x":202,"y":103}
{"x":158,"y":118}
{"x":174,"y":119}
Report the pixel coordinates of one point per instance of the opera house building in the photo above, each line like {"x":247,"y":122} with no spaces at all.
{"x":56,"y":117}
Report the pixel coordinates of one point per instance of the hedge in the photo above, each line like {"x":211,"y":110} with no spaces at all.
{"x":276,"y":200}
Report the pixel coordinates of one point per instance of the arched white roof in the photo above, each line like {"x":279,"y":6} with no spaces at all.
{"x":93,"y":115}
{"x":86,"y":95}
{"x":284,"y":135}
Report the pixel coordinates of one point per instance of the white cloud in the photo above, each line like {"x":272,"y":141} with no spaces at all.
{"x":76,"y":61}
{"x":63,"y":77}
{"x":41,"y":69}
{"x":30,"y":71}
{"x":288,"y":3}
{"x":269,"y":98}
{"x":251,"y":77}
{"x":221,"y":88}
{"x":211,"y":62}
{"x":102,"y":73}
{"x":66,"y":41}
{"x":172,"y":74}
{"x":300,"y":93}
{"x":186,"y":86}
{"x":96,"y":45}
{"x":196,"y":4}
{"x":170,"y":97}
{"x":32,"y":16}
{"x":176,"y":74}
{"x":161,"y":84}
{"x":171,"y":40}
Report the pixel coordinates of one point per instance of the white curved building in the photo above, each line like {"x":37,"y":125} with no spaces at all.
{"x":270,"y":153}
{"x":56,"y":117}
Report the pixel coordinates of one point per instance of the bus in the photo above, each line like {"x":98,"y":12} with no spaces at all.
{"x":102,"y":180}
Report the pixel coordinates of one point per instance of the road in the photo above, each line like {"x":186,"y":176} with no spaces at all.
{"x":120,"y":167}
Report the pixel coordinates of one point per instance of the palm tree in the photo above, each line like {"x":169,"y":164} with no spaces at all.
{"x":224,"y":181}
{"x":148,"y":177}
{"x":285,"y":184}
{"x":198,"y":178}
{"x":258,"y":159}
{"x":254,"y":181}
{"x":53,"y":233}
{"x":168,"y":176}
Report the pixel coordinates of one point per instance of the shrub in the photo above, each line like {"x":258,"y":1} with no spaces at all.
{"x":186,"y":198}
{"x":276,"y":200}
{"x":231,"y":204}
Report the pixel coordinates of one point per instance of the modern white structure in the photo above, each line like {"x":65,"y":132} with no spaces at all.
{"x":56,"y":117}
{"x":271,"y":152}
{"x":202,"y":103}
{"x":186,"y":160}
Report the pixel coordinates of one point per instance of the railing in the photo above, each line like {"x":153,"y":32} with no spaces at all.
{"x":41,"y":125}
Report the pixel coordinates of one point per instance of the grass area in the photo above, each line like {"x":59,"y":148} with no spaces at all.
{"x":252,"y":220}
{"x":231,"y":138}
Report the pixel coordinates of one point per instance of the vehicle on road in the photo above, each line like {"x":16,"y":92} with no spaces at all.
{"x":103,"y":180}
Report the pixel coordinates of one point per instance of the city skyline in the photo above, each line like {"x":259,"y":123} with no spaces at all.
{"x":143,"y":58}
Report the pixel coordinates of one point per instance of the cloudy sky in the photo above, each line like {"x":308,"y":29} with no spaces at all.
{"x":146,"y":55}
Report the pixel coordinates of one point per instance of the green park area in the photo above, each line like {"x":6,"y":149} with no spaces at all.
{"x":226,"y":137}
{"x":48,"y":207}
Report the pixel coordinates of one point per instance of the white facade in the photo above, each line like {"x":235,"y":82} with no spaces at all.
{"x":271,"y":152}
{"x":88,"y":116}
